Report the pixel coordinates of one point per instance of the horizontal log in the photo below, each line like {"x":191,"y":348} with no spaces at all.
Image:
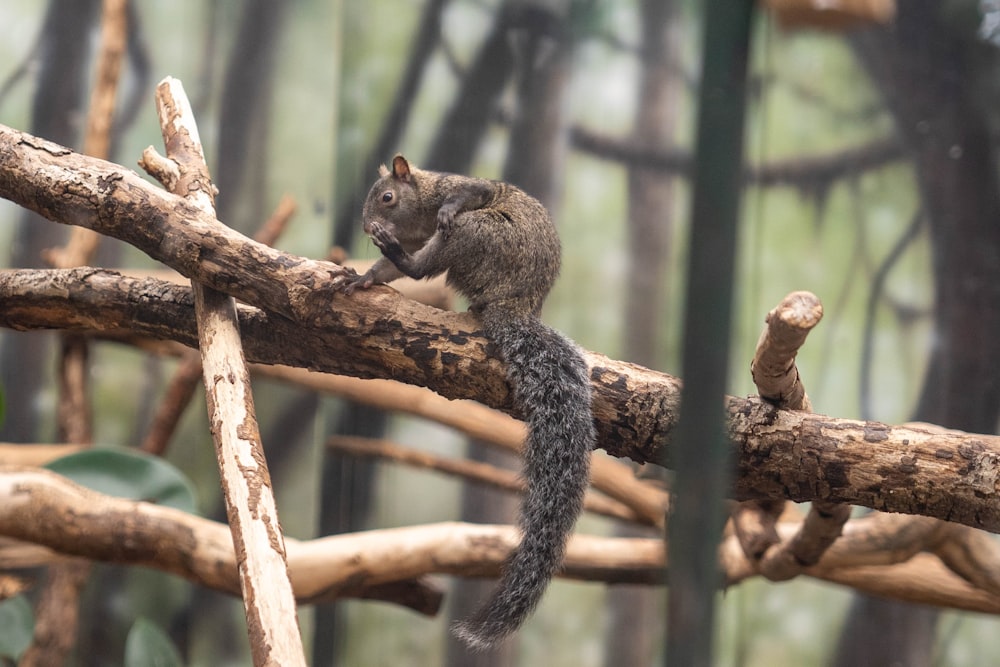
{"x":777,"y":453}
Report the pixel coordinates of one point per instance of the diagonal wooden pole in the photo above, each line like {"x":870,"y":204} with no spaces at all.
{"x":268,"y":599}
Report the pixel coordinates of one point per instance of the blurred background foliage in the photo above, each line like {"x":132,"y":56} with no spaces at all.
{"x":296,"y":98}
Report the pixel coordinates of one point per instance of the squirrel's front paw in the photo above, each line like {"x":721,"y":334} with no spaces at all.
{"x":445,"y":217}
{"x":385,"y":241}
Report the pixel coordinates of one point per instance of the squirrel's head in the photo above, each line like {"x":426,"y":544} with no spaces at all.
{"x":393,"y":192}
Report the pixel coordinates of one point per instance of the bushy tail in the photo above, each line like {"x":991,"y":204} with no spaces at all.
{"x":551,"y":385}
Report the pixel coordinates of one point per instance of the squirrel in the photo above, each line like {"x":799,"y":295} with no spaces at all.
{"x":501,"y":252}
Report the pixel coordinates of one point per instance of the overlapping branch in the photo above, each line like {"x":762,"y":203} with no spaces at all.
{"x":780,"y":454}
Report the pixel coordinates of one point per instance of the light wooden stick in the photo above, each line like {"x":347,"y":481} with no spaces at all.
{"x":268,"y":600}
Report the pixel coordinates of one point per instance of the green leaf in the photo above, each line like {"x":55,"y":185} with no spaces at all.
{"x":148,"y":646}
{"x":17,"y":623}
{"x":128,"y":474}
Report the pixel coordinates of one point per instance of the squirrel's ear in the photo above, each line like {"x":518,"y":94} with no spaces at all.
{"x":383,"y":171}
{"x":400,"y":168}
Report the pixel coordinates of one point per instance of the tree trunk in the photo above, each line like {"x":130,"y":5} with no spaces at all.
{"x":466,"y":122}
{"x":57,"y":106}
{"x":245,"y":113}
{"x":928,"y":73}
{"x":635,"y":630}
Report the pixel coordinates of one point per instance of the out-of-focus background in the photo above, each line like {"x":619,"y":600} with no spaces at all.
{"x":871,"y":162}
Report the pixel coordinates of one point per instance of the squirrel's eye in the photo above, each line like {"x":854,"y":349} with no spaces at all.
{"x":387,"y":196}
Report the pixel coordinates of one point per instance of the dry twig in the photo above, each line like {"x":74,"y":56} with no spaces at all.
{"x":506,"y":480}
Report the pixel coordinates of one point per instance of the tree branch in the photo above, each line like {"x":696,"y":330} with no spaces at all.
{"x":810,"y":173}
{"x":484,"y":473}
{"x":780,"y":454}
{"x":777,"y":379}
{"x":46,"y":509}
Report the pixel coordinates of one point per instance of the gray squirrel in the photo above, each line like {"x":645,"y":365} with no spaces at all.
{"x":501,"y":252}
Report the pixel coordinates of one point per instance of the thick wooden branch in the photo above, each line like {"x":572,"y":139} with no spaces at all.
{"x":380,"y":335}
{"x":46,"y":509}
{"x":779,"y":454}
{"x":43,"y":508}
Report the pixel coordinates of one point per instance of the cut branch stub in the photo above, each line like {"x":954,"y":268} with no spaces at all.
{"x":773,"y":366}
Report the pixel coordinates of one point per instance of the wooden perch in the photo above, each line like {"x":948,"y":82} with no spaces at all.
{"x":778,"y":558}
{"x":778,"y":453}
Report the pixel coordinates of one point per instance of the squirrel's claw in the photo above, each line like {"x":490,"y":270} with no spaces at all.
{"x":352,"y":281}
